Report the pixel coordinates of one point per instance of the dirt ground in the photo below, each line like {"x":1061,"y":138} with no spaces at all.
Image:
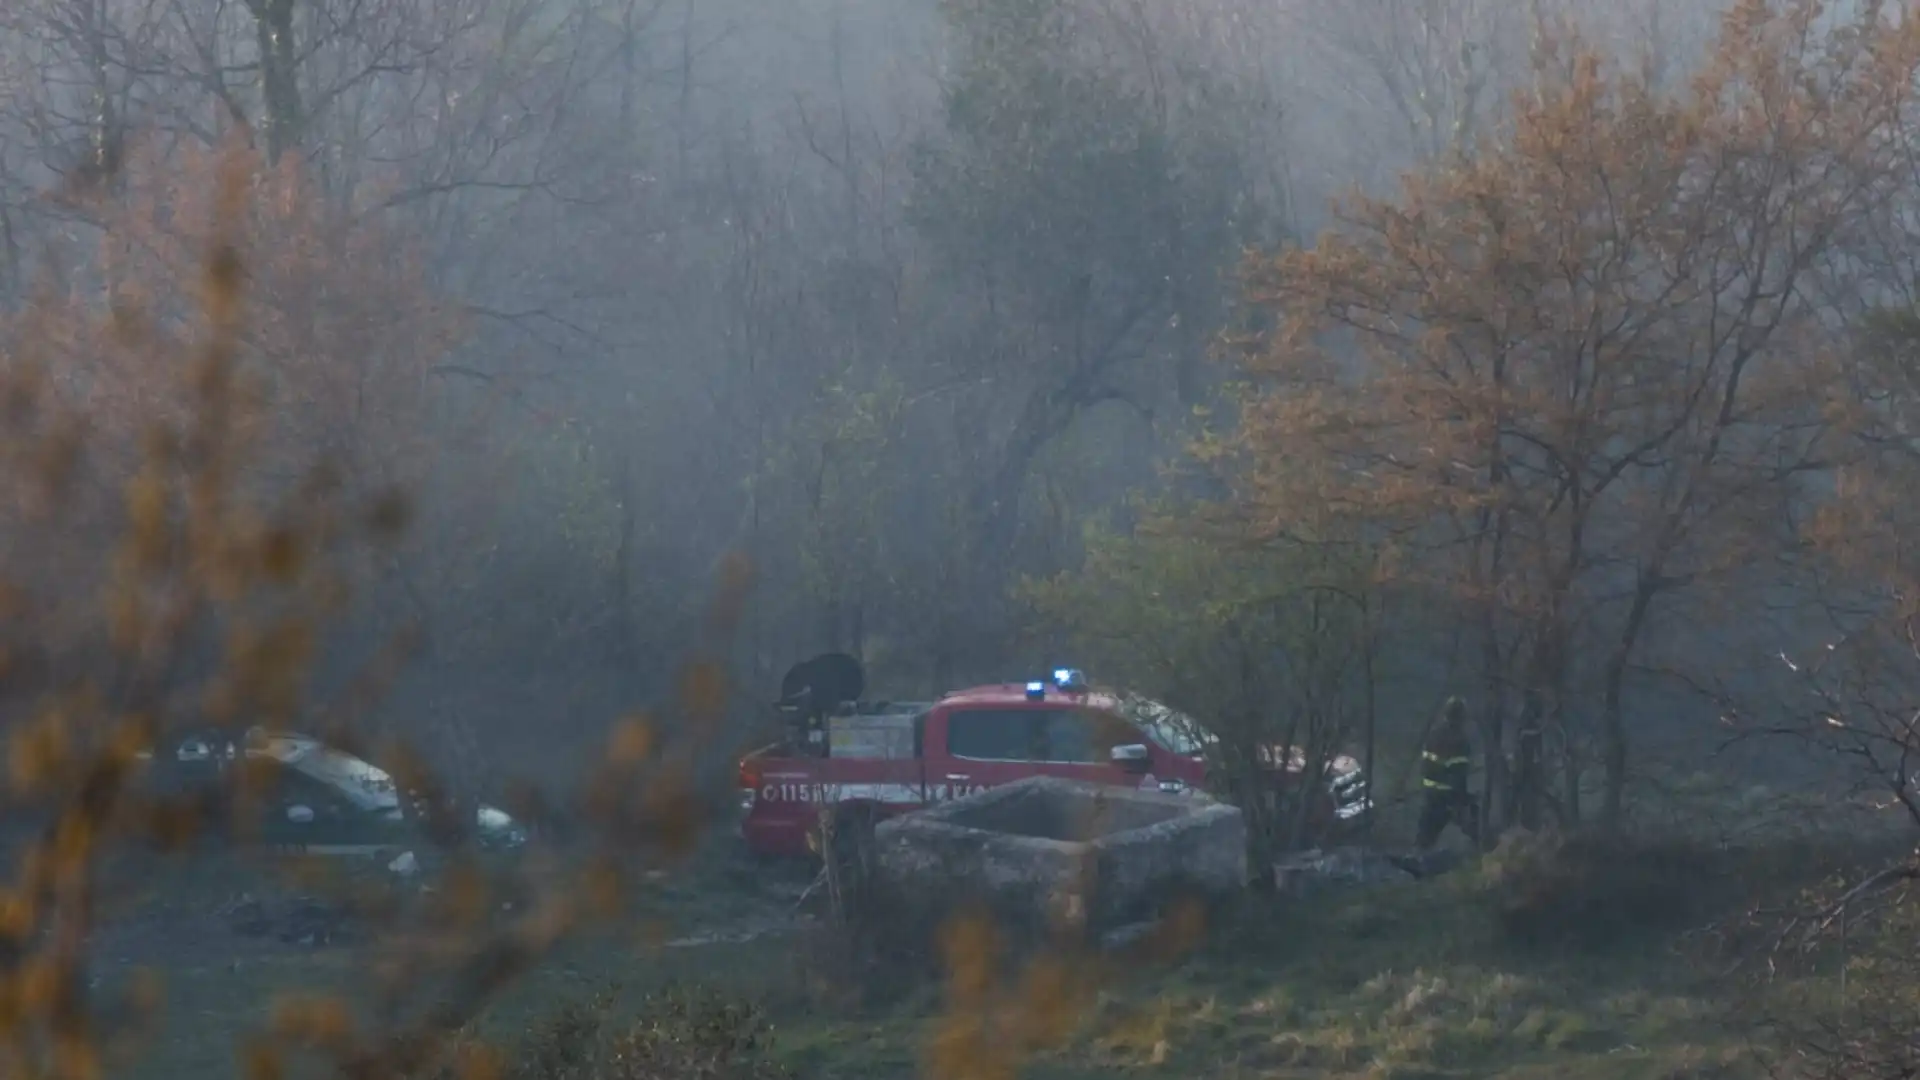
{"x":198,"y":924}
{"x":1392,"y":981}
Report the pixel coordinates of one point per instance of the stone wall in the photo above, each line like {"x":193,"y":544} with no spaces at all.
{"x":1049,"y":855}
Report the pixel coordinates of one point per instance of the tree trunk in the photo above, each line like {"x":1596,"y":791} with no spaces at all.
{"x":1493,"y":673}
{"x":1528,"y":772}
{"x":940,"y":671}
{"x":1249,"y":783}
{"x":832,"y":622}
{"x":626,"y":626}
{"x":1545,"y":678}
{"x":997,"y":501}
{"x":1614,"y":760}
{"x":1570,"y":765}
{"x":857,"y":630}
{"x":1555,"y":716}
{"x":1493,"y":733}
{"x":279,"y":74}
{"x":105,"y":152}
{"x":1371,"y":741}
{"x":1614,"y":724}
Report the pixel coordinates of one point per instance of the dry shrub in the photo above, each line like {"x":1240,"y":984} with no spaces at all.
{"x":1426,"y":1023}
{"x":339,"y":334}
{"x":203,"y":609}
{"x":286,"y":387}
{"x":680,"y":1033}
{"x":695,"y":1032}
{"x":1829,"y":975}
{"x":1594,"y":889}
{"x":177,"y":555}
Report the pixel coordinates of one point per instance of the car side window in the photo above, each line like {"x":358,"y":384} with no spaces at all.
{"x":291,"y":787}
{"x":992,"y":734}
{"x":1084,"y":735}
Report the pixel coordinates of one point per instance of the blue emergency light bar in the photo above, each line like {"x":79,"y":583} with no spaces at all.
{"x":1071,"y":680}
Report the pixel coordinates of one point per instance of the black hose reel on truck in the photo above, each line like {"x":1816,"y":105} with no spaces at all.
{"x":811,"y":692}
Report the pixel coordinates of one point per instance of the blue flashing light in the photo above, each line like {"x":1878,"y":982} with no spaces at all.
{"x":1036,"y":690}
{"x":1072,"y":680}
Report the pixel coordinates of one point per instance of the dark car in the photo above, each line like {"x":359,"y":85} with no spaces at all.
{"x":319,"y":800}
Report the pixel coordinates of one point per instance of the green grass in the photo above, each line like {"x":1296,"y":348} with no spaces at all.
{"x":1401,"y":982}
{"x":1398,"y":983}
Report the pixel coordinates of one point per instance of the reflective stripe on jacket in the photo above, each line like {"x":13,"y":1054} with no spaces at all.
{"x":1446,"y":763}
{"x":1444,"y":773}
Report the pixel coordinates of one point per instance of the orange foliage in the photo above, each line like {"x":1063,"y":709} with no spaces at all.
{"x":1588,"y":364}
{"x":1599,"y":331}
{"x":341,"y":329}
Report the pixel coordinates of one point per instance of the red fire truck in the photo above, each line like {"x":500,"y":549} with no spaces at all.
{"x":900,"y":756}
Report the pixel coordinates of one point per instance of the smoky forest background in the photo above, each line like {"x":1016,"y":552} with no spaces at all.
{"x":515,"y":389}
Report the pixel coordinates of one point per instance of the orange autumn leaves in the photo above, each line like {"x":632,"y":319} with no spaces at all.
{"x":1604,"y":358}
{"x":335,"y":352}
{"x":1608,"y":319}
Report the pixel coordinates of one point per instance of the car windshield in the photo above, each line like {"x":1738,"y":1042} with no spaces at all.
{"x":1169,"y":727}
{"x":368,"y":785}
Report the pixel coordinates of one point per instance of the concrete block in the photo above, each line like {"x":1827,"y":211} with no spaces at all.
{"x":1062,"y":854}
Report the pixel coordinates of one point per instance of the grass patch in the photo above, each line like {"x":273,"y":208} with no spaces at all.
{"x":1457,"y":1022}
{"x":1406,"y":981}
{"x":1402,"y":982}
{"x":1424,"y":990}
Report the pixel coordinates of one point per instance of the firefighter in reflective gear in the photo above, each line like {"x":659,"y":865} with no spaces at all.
{"x":1446,"y":762}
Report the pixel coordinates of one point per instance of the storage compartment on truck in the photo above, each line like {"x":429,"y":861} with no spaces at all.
{"x":884,"y":730}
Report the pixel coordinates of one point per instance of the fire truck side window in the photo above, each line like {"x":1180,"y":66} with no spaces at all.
{"x":993,"y":734}
{"x":1085,"y":735}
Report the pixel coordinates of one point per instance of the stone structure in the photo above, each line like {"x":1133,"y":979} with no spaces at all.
{"x":1046,"y":853}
